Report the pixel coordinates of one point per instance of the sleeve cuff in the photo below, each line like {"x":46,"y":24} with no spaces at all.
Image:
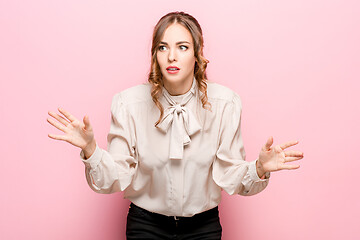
{"x":94,"y":160}
{"x":253,"y":173}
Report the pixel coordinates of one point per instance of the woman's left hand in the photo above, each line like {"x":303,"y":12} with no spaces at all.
{"x":273,"y":159}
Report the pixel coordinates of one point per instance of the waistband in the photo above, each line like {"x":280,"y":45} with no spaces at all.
{"x":211,"y":212}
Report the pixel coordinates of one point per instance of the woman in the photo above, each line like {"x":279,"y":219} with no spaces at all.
{"x":174,"y":143}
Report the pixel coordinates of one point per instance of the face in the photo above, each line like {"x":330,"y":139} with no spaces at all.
{"x":176,"y":49}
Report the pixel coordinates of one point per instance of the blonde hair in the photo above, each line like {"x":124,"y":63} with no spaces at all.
{"x":155,"y":76}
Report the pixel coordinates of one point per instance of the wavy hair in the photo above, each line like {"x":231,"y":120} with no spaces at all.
{"x":155,"y":75}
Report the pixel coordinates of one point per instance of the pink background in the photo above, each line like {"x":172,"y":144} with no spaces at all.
{"x":295,"y":65}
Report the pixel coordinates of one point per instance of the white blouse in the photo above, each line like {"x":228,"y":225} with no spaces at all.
{"x":180,"y":167}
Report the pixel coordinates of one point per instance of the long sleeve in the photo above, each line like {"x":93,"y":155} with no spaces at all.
{"x":230,"y":170}
{"x":112,"y":170}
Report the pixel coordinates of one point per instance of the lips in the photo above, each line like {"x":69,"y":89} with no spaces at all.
{"x":172,"y":69}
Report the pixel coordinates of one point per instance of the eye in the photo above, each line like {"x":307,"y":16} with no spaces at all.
{"x":161,"y":48}
{"x":184,"y":47}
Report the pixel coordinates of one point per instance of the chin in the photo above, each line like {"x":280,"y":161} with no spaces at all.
{"x":174,"y":79}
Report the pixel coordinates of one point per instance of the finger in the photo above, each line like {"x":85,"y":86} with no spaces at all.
{"x":289,"y":167}
{"x":67,"y":115}
{"x":268,"y":144}
{"x":294,"y":154}
{"x":87,"y":122}
{"x":291,"y":159}
{"x":288,"y":144}
{"x":67,"y":122}
{"x":278,"y":149}
{"x":59,"y":118}
{"x":58,"y":137}
{"x":57,"y":125}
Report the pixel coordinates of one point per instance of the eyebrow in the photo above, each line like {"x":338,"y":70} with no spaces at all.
{"x":181,"y":42}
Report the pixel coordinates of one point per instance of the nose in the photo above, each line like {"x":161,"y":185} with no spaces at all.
{"x":172,"y":55}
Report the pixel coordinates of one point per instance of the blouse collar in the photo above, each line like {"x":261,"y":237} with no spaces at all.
{"x":181,"y":119}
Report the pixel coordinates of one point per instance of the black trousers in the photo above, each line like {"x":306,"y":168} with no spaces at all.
{"x":142,"y":224}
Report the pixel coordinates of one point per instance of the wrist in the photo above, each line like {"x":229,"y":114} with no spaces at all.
{"x":259,"y":169}
{"x":89,"y":149}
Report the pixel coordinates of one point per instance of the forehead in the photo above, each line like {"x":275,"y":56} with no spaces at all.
{"x":176,"y":32}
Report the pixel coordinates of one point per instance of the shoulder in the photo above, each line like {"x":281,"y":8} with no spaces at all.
{"x":135,"y":94}
{"x":216,"y":91}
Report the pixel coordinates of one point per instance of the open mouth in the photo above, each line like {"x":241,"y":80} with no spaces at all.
{"x":172,"y":69}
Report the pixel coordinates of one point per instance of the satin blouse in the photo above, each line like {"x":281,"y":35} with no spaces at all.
{"x":180,"y":167}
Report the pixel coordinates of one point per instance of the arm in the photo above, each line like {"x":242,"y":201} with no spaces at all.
{"x":112,"y":170}
{"x":230,"y":170}
{"x":106,"y":171}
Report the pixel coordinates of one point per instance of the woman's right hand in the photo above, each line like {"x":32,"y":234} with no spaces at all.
{"x":79,"y":134}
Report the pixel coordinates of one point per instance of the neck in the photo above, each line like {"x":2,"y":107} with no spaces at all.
{"x":179,"y":88}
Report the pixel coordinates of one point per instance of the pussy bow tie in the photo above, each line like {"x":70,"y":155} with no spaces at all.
{"x":182,"y":121}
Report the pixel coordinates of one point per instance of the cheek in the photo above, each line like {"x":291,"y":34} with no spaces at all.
{"x":190,"y":61}
{"x":159,"y":59}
